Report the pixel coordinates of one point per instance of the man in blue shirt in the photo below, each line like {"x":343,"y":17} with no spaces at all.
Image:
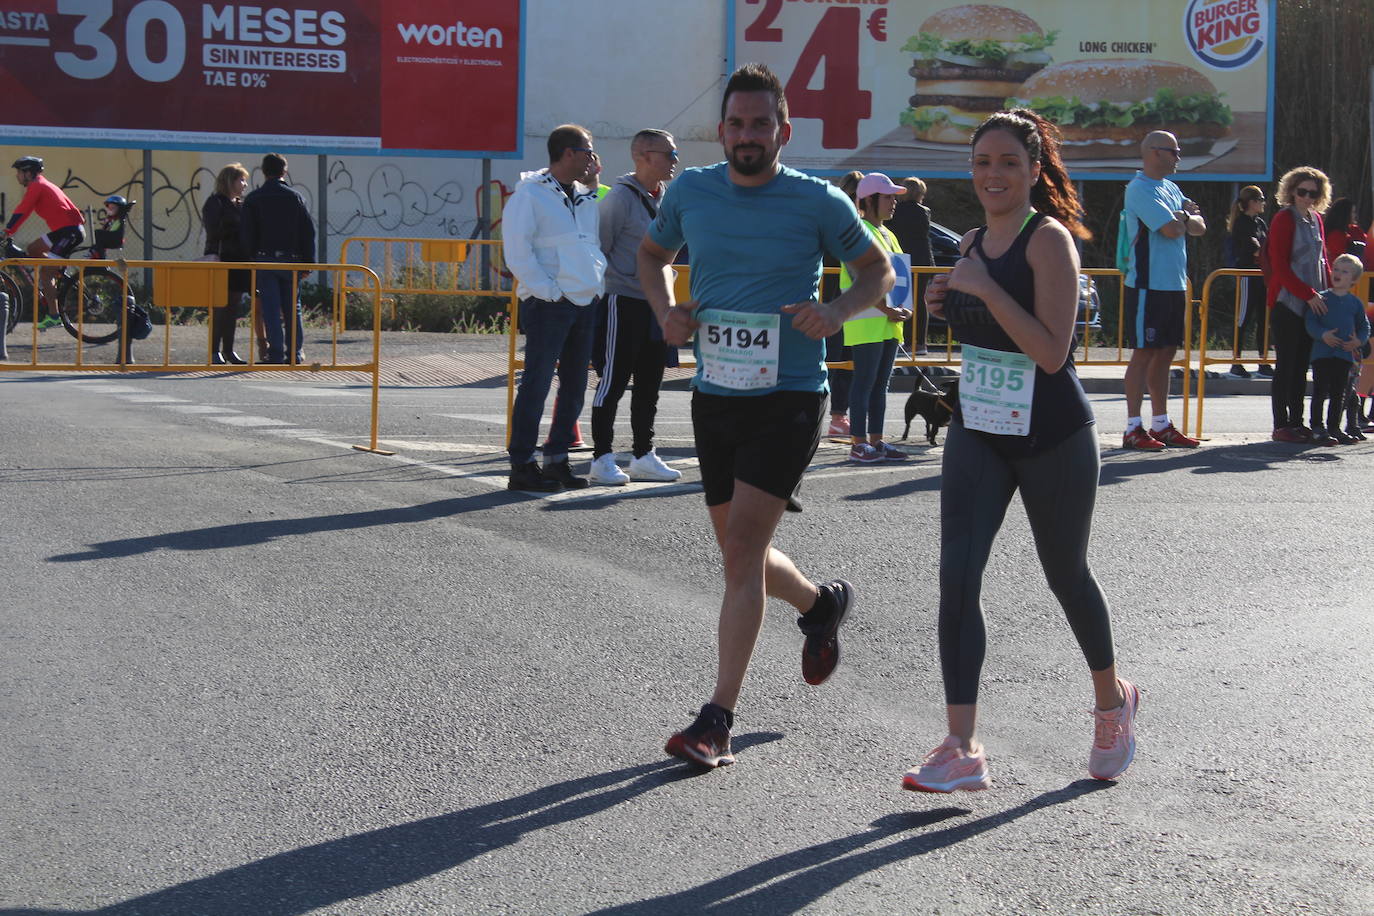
{"x":757,"y":231}
{"x":1158,"y":219}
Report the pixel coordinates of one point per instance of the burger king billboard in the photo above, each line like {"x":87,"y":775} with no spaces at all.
{"x":900,"y":85}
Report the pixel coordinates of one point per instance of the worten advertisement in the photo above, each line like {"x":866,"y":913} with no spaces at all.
{"x":357,"y":76}
{"x":900,"y":85}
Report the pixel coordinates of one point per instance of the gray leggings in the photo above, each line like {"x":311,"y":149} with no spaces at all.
{"x":1058,"y":487}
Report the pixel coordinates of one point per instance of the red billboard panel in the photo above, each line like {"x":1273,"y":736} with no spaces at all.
{"x":342,"y":76}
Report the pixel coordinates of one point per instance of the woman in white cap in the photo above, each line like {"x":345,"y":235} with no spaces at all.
{"x":873,"y":334}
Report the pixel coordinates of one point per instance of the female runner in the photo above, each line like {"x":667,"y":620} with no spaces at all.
{"x":1022,"y":424}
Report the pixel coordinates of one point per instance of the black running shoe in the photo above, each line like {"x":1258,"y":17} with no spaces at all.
{"x":821,"y":652}
{"x":561,"y":473}
{"x":706,"y":741}
{"x":529,"y":478}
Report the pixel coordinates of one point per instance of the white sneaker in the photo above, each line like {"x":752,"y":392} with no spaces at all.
{"x":606,"y":472}
{"x":651,"y":467}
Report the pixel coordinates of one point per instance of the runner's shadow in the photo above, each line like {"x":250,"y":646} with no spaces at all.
{"x":907,"y":486}
{"x":815,"y":871}
{"x":1247,"y":458}
{"x":242,"y":534}
{"x":326,"y":874}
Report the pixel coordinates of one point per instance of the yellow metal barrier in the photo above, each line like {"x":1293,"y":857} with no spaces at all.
{"x":184,"y":285}
{"x":417,"y":266}
{"x":681,"y":292}
{"x":1204,"y":309}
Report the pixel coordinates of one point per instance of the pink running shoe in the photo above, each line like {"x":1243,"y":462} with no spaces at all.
{"x":1114,"y":735}
{"x":947,"y":768}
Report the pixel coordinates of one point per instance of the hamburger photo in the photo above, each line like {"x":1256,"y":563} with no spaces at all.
{"x":1105,"y":107}
{"x":969,"y":60}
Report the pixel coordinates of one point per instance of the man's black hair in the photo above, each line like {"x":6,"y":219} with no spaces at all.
{"x":755,"y":78}
{"x":274,"y":165}
{"x":566,"y":137}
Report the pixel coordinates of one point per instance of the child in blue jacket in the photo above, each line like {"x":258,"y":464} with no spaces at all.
{"x":1337,"y":337}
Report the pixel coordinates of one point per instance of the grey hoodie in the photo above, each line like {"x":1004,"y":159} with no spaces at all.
{"x":625,"y":219}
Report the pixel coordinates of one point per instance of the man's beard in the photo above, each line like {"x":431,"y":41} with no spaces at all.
{"x":761,"y":163}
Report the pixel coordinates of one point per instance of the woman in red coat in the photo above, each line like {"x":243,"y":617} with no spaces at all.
{"x":1343,"y":235}
{"x":1297,"y":265}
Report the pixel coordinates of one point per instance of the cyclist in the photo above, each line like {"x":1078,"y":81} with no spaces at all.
{"x":66,"y":227}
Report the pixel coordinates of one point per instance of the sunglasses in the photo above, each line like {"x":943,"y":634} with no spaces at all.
{"x":1176,"y":153}
{"x":1307,"y":192}
{"x":670,"y":153}
{"x":581,"y":149}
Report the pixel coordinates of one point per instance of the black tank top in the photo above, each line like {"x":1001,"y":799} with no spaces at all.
{"x":1059,"y":408}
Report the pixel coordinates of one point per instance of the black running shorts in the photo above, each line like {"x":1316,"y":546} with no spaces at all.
{"x":765,"y":441}
{"x":64,"y":241}
{"x":1154,"y":318}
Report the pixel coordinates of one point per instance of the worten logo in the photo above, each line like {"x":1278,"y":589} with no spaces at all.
{"x":458,"y":35}
{"x":1226,"y":34}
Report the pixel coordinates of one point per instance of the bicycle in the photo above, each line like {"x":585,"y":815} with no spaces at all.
{"x":92,"y":296}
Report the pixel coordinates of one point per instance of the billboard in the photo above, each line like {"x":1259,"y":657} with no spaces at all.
{"x":356,"y":76}
{"x":899,"y":85}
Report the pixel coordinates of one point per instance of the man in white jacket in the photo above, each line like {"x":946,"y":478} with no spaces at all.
{"x":549,"y":228}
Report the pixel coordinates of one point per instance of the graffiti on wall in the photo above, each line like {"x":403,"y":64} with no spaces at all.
{"x":367,"y":197}
{"x":387,"y":202}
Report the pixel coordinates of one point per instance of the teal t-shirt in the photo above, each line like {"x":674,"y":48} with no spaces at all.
{"x":758,"y":249}
{"x":1157,"y":262}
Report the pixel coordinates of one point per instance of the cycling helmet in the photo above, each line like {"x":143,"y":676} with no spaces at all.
{"x":31,"y":163}
{"x":122,"y":202}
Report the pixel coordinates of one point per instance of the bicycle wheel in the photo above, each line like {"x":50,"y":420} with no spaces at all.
{"x":16,"y":299}
{"x":91,"y":309}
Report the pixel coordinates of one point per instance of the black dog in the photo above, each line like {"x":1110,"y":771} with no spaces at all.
{"x":935,"y":407}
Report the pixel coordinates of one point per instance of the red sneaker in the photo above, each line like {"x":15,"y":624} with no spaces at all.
{"x":1172,"y":438}
{"x":1141,"y":440}
{"x":1287,"y":434}
{"x":706,"y":742}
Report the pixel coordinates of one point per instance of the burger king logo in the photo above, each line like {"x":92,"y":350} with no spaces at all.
{"x":1226,"y":34}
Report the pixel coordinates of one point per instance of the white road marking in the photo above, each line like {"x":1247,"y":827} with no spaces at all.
{"x":294,"y":432}
{"x":476,"y":417}
{"x":250,"y":421}
{"x":303,"y":391}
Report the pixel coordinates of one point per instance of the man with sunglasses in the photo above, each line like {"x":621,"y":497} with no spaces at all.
{"x":629,"y":341}
{"x":549,"y":233}
{"x":1158,"y":220}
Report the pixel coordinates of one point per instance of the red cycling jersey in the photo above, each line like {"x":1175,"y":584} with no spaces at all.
{"x":52,"y":206}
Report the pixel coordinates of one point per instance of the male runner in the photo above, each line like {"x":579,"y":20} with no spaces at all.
{"x":66,"y":227}
{"x":757,"y":231}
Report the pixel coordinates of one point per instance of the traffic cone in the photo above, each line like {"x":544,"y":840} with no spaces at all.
{"x":577,"y":442}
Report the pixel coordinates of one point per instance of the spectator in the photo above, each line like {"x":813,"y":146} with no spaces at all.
{"x":872,"y":335}
{"x":1343,"y":234}
{"x":629,"y":340}
{"x":276,"y":226}
{"x":1159,"y":220}
{"x":1246,"y":230}
{"x":835,"y":351}
{"x":222,"y":216}
{"x":1338,"y":334}
{"x":910,"y":223}
{"x":1298,"y":269}
{"x":552,"y":246}
{"x":758,"y":230}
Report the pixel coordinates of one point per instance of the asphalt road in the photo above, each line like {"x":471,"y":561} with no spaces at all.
{"x":245,"y":669}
